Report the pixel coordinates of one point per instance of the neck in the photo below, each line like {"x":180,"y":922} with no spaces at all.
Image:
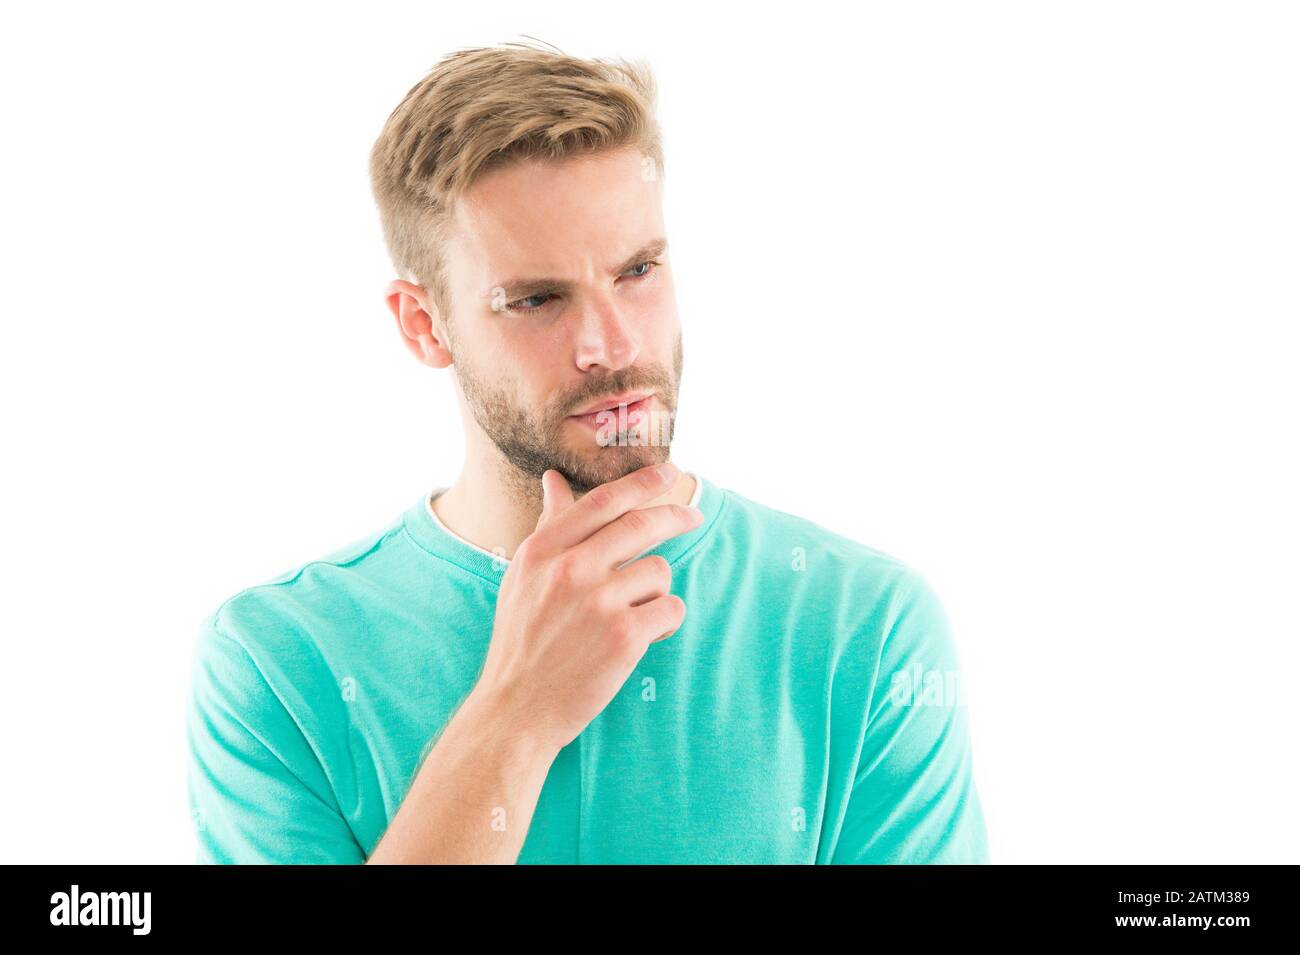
{"x":493,"y":507}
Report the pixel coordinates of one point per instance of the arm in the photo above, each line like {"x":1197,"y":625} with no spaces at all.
{"x":257,"y":790}
{"x":474,"y":796}
{"x":258,"y":793}
{"x":914,"y":798}
{"x":571,"y":624}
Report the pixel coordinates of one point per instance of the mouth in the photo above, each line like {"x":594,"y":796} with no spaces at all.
{"x":627,"y":408}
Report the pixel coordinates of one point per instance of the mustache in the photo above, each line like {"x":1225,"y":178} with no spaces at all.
{"x":650,"y":379}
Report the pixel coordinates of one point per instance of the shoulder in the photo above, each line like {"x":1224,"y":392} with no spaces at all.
{"x":278,"y":613}
{"x":817,"y":548}
{"x":865,"y":595}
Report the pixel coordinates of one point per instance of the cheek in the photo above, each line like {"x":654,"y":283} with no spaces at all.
{"x":534,"y":361}
{"x":658,"y":311}
{"x":650,"y":303}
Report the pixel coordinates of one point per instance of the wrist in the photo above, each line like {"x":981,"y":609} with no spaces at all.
{"x":499,"y":711}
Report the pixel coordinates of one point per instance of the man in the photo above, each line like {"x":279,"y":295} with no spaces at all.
{"x":576,"y":653}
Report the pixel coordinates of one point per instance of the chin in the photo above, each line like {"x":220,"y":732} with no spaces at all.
{"x":597,"y":465}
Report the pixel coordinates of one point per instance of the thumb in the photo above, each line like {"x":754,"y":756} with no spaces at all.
{"x":556,"y":495}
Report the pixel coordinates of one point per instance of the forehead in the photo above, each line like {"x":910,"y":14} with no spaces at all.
{"x":550,"y":218}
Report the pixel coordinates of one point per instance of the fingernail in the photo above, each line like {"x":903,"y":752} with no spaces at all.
{"x":667,"y":473}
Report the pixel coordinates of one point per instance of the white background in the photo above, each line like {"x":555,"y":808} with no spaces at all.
{"x":1008,"y":290}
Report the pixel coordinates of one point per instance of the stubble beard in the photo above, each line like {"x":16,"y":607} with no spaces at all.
{"x":531,"y":444}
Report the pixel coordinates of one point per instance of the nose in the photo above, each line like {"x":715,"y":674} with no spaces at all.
{"x":607,"y":336}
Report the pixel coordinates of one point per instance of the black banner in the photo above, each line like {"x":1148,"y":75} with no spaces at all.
{"x":338,"y":903}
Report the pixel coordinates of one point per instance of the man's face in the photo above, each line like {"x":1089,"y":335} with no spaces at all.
{"x":562,"y":302}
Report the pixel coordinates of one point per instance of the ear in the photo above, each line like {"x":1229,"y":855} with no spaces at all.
{"x":418,"y":321}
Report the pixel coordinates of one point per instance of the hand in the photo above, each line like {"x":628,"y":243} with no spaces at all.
{"x":571,"y":621}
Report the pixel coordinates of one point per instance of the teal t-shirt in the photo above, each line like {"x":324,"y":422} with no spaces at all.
{"x":807,"y":711}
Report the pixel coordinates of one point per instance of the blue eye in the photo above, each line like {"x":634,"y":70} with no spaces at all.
{"x":535,"y":303}
{"x":521,"y":305}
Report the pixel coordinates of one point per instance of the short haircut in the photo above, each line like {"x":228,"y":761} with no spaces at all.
{"x":484,"y":107}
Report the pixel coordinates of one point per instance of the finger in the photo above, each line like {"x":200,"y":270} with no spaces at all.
{"x":557,"y":496}
{"x":632,"y":534}
{"x":640,"y":581}
{"x":660,"y":618}
{"x":606,"y":502}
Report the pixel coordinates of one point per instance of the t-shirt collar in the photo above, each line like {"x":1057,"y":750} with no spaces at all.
{"x":431,"y":534}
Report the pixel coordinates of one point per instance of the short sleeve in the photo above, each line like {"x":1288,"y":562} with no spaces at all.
{"x":257,"y":791}
{"x":913,"y":796}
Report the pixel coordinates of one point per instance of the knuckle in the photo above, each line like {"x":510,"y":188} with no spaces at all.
{"x":564,"y":570}
{"x":601,"y":497}
{"x":604,"y":603}
{"x":634,"y":520}
{"x":525,"y":552}
{"x":620,"y":629}
{"x":660,"y":572}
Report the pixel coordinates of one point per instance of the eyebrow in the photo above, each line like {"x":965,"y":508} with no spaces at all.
{"x":524,"y":287}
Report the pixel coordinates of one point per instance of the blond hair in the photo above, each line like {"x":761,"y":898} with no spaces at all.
{"x":483,"y":107}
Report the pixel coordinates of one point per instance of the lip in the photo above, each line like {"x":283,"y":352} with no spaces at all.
{"x":612,"y":403}
{"x":635,"y":403}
